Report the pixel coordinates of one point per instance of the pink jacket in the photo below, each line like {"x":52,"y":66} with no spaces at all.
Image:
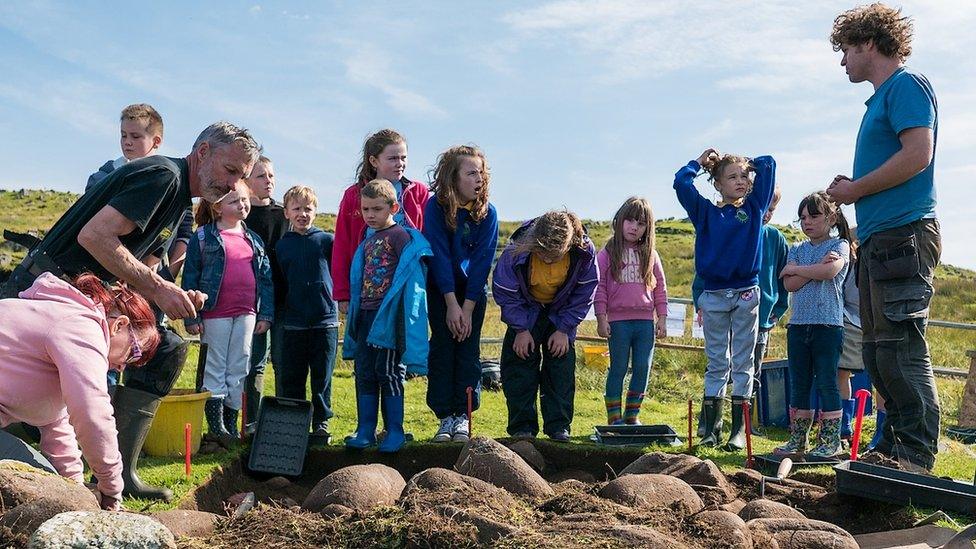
{"x":54,"y":343}
{"x":350,"y":226}
{"x":630,"y":300}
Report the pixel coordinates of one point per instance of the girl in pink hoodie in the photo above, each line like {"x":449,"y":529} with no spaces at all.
{"x":632,"y":289}
{"x":58,"y":342}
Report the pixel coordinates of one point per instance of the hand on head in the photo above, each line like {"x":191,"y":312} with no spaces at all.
{"x":708,"y":158}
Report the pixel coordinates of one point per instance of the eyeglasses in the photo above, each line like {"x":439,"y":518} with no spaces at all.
{"x":135,"y":351}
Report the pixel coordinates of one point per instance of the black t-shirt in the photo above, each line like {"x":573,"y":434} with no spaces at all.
{"x":151,"y":192}
{"x":270,"y":224}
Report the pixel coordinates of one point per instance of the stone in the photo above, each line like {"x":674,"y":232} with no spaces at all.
{"x":358,"y":487}
{"x":764,"y":508}
{"x":733,"y":506}
{"x":527,"y":451}
{"x":102,"y":529}
{"x":490,"y":461}
{"x":694,"y":471}
{"x":437,"y":479}
{"x":334,"y":510}
{"x":21,"y":483}
{"x":721,"y":529}
{"x":782,"y":533}
{"x":487,"y":530}
{"x":277,"y":483}
{"x":651,"y":490}
{"x":929,"y":535}
{"x":183,"y":522}
{"x":26,"y":517}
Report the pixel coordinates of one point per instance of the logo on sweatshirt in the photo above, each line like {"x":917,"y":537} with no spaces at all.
{"x":741,"y":216}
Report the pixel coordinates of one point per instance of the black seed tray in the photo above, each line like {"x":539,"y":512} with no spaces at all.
{"x":281,"y":438}
{"x":636,"y":435}
{"x":870,"y":481}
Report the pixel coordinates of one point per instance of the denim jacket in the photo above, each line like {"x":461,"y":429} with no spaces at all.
{"x":204,"y":270}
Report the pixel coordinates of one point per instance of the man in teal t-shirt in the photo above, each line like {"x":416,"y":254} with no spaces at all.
{"x":893,"y":193}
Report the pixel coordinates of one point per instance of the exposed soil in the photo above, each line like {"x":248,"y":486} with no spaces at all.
{"x":574,"y":517}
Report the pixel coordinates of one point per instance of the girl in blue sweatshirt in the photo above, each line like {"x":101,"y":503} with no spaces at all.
{"x":462,"y":228}
{"x":728,"y":239}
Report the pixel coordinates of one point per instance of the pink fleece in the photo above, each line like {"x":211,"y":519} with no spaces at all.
{"x":54,"y":343}
{"x":630,"y":299}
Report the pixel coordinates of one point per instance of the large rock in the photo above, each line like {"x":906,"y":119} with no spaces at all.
{"x":780,"y":533}
{"x":650,"y":491}
{"x":183,"y":522}
{"x":527,"y":451}
{"x":450,"y":482}
{"x":30,"y":496}
{"x":21,"y":483}
{"x":491,"y":462}
{"x":358,"y":487}
{"x":103,"y":530}
{"x":690,"y":469}
{"x":764,"y":508}
{"x":721,"y":529}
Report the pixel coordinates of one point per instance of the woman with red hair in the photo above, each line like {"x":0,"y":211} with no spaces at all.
{"x":58,"y":342}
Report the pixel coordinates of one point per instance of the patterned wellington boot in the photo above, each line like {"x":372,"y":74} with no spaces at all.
{"x":828,"y":439}
{"x":632,"y":408}
{"x":799,"y":433}
{"x":613,"y":410}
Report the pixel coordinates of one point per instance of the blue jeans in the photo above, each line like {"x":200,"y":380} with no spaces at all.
{"x":814,"y":351}
{"x":631,"y":341}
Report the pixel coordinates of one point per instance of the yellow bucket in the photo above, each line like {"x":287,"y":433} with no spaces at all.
{"x":596,"y":357}
{"x":178,"y":408}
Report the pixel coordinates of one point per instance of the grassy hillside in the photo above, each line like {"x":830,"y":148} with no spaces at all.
{"x":676,"y":377}
{"x":955,"y":297}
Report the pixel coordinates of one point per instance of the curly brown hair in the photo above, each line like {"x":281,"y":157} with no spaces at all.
{"x":886,"y":27}
{"x":444,"y":186}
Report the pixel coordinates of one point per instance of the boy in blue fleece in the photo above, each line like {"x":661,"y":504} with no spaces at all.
{"x":386,"y":327}
{"x":310,"y":319}
{"x":728,"y":243}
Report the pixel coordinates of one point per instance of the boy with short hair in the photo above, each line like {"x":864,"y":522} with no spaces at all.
{"x":309,"y":318}
{"x":141,"y":135}
{"x":267,"y":220}
{"x":386,"y":327}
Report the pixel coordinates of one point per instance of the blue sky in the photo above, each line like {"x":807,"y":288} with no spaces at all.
{"x":577,"y":104}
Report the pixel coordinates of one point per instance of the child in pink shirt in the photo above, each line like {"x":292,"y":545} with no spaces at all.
{"x":58,"y":342}
{"x":632,"y":289}
{"x":228,"y":263}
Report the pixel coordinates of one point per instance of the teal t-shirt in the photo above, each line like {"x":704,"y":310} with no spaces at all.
{"x":905,"y":100}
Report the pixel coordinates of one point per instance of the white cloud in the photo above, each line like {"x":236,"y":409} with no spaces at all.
{"x":370,"y":67}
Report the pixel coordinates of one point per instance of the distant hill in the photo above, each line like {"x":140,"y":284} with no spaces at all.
{"x":35,"y":211}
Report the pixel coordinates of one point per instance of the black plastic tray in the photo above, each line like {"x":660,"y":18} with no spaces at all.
{"x":767,"y":464}
{"x":281,"y":438}
{"x":865,"y":480}
{"x":964,"y":435}
{"x":636,"y":435}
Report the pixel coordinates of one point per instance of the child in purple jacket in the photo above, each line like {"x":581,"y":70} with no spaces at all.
{"x":544,"y":283}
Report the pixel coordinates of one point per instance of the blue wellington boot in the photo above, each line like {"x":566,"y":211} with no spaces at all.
{"x":393,"y":420}
{"x":847,"y":412}
{"x":367,"y":408}
{"x":879,"y":428}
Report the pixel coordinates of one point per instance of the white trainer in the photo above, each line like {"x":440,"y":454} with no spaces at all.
{"x":462,"y":431}
{"x":445,"y":431}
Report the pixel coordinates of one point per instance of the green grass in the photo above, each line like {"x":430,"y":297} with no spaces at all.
{"x":676,"y":377}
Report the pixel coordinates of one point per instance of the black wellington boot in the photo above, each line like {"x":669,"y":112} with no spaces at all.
{"x":134,"y":412}
{"x":737,"y":437}
{"x":711,"y":411}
